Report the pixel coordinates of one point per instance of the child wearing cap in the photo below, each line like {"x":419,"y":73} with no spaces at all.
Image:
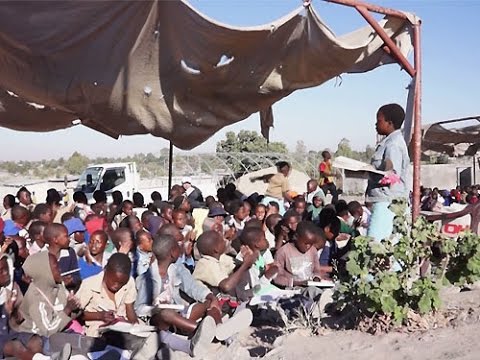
{"x":76,"y":233}
{"x":216,"y":216}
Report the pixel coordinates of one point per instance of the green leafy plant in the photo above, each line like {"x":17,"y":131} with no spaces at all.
{"x":382,"y":278}
{"x":463,"y":265}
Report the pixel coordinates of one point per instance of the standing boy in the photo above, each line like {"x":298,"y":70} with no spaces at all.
{"x":327,"y":176}
{"x":391,"y":156}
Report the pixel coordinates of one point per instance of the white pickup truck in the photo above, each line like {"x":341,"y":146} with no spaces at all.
{"x":109,"y":177}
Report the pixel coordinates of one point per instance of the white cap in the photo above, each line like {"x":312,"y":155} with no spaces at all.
{"x":186,"y":179}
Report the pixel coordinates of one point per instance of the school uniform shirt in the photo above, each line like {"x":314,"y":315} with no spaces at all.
{"x":34,"y":248}
{"x":142,"y":261}
{"x":186,"y":230}
{"x":296,"y":266}
{"x":199,"y":215}
{"x":152,"y":288}
{"x":94,"y":298}
{"x":270,"y":239}
{"x":257,"y":270}
{"x":212,"y":271}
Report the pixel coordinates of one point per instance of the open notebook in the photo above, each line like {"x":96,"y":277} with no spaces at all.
{"x":343,"y":162}
{"x":125,"y":327}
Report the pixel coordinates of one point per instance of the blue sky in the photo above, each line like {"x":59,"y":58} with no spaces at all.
{"x":320,"y":116}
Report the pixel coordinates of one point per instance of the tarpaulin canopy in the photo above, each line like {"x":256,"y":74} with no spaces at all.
{"x":160,"y":67}
{"x":456,"y":137}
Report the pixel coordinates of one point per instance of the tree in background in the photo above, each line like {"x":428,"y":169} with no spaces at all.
{"x":235,"y":148}
{"x":76,"y":163}
{"x":344,"y":149}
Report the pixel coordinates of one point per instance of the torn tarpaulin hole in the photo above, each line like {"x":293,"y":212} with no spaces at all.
{"x":225,"y":60}
{"x":189,"y":68}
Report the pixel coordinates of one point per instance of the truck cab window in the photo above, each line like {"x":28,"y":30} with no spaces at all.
{"x":112,"y":178}
{"x":89,"y":179}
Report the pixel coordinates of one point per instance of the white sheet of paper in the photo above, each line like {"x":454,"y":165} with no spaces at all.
{"x":134,"y":329}
{"x":322,"y":284}
{"x":343,"y":162}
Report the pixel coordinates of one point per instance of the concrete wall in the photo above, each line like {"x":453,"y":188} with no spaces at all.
{"x":443,"y":176}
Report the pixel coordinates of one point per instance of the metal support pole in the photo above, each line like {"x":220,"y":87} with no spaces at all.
{"x":474,"y":170}
{"x":417,"y":121}
{"x":170,"y":168}
{"x":395,"y":52}
{"x":371,"y":7}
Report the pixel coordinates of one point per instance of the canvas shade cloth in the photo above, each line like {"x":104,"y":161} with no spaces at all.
{"x":138,"y":67}
{"x":454,"y":137}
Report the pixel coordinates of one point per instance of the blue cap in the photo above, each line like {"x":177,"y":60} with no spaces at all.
{"x":10,"y":228}
{"x":74,"y":225}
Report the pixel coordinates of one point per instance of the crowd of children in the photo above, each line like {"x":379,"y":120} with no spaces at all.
{"x":168,"y":276}
{"x":435,"y":199}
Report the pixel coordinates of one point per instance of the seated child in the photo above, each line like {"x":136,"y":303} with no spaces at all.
{"x":216,"y":216}
{"x":300,"y":206}
{"x":95,"y":257}
{"x":180,"y":220}
{"x":76,"y":233}
{"x":143,"y":254}
{"x":43,"y":212}
{"x":108,"y":298}
{"x":56,"y":236}
{"x":273,"y":208}
{"x":125,"y":210}
{"x":20,"y":219}
{"x":287,"y":228}
{"x":133,"y":223}
{"x":297,"y":261}
{"x":20,"y":345}
{"x":81,"y":209}
{"x":46,"y":307}
{"x":109,"y":295}
{"x":215,"y":269}
{"x":271,"y":223}
{"x":36,"y":236}
{"x":264,"y":269}
{"x":20,"y":257}
{"x":186,"y":246}
{"x":359,"y":223}
{"x":162,"y":284}
{"x":316,"y":207}
{"x":346,"y":220}
{"x":238,"y":214}
{"x":329,"y":225}
{"x":145,"y":216}
{"x":166,"y":213}
{"x":122,"y":239}
{"x":260,"y":212}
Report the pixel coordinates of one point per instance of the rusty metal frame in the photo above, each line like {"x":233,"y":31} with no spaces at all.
{"x":414,"y":71}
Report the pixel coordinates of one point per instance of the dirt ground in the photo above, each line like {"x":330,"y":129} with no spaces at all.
{"x":457,"y":338}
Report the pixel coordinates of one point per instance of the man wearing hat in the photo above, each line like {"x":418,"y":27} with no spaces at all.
{"x":192,"y":193}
